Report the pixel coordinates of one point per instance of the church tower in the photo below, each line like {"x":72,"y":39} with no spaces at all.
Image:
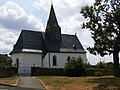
{"x":53,"y":30}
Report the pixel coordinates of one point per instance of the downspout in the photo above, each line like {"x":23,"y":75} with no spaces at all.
{"x":41,"y":62}
{"x":49,"y":60}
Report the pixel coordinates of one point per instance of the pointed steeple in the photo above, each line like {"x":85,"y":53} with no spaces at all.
{"x":52,"y":17}
{"x":53,"y":30}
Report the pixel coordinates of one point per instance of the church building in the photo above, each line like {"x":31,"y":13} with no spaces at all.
{"x":49,"y":49}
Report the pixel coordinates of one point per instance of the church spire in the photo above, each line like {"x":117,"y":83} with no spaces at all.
{"x":53,"y":30}
{"x":52,"y":17}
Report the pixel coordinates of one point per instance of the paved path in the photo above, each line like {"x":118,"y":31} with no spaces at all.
{"x":29,"y":82}
{"x":25,"y":83}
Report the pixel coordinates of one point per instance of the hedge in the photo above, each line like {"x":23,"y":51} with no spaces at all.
{"x":38,"y":71}
{"x":92,"y":71}
{"x":8,"y":71}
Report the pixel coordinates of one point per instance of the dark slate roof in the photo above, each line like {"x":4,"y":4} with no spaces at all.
{"x":29,"y":40}
{"x":35,"y":40}
{"x":67,"y":42}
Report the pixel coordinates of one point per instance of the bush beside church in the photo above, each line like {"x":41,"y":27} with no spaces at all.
{"x":6,"y":69}
{"x":74,"y":67}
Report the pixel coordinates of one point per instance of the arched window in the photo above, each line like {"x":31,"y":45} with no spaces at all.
{"x":54,"y":60}
{"x":17,"y":63}
{"x":68,"y":58}
{"x":74,"y":47}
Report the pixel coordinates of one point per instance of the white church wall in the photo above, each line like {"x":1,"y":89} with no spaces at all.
{"x":61,"y":58}
{"x":46,"y":61}
{"x":27,"y":59}
{"x":15,"y":56}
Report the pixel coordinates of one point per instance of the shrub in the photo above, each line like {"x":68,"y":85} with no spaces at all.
{"x":98,"y":73}
{"x":74,"y":67}
{"x":87,"y":65}
{"x":101,"y":64}
{"x":110,"y":65}
{"x":5,"y":61}
{"x":8,"y":71}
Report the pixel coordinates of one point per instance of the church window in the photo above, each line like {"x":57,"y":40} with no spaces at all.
{"x":68,"y":58}
{"x":33,"y":65}
{"x":17,"y":62}
{"x":74,"y":47}
{"x":54,"y":60}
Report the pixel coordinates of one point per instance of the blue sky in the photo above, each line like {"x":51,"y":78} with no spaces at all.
{"x":16,"y":15}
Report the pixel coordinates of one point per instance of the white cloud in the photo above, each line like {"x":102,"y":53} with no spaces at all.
{"x":14,"y":17}
{"x":63,"y":8}
{"x":7,"y":39}
{"x":42,"y":4}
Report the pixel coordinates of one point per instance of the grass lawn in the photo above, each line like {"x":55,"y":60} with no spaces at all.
{"x":8,"y":80}
{"x":80,"y":83}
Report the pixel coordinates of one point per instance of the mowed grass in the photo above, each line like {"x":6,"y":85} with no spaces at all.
{"x":8,"y":80}
{"x":80,"y":83}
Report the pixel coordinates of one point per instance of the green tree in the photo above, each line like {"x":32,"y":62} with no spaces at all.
{"x":103,"y":20}
{"x":5,"y":61}
{"x":74,"y":67}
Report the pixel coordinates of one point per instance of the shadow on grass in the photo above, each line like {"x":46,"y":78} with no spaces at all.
{"x":106,"y":83}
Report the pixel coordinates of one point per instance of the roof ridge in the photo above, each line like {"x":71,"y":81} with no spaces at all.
{"x":23,"y":30}
{"x":69,"y":34}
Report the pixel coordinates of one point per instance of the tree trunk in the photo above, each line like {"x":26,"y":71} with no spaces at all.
{"x":116,"y":64}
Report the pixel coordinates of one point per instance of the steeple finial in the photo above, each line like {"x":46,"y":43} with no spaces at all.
{"x":51,"y":2}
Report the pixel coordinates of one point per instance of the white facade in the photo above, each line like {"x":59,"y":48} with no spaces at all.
{"x":28,"y":60}
{"x":32,"y":59}
{"x":60,"y":59}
